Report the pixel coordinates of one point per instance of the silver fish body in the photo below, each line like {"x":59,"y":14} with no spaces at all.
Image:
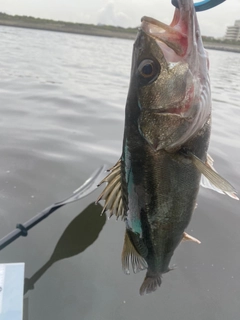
{"x":167,"y":111}
{"x":154,"y":185}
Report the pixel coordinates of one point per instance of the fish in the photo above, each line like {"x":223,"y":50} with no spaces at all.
{"x":154,"y":185}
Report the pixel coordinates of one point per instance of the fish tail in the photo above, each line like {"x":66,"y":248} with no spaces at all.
{"x":151,"y":282}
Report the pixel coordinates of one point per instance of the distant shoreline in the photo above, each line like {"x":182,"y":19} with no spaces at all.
{"x":221,"y":47}
{"x":100,"y":33}
{"x":92,"y":30}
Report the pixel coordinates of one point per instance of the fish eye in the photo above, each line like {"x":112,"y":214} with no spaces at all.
{"x":146,"y":68}
{"x":148,"y":71}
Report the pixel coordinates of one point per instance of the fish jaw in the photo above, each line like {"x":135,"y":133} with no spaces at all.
{"x":181,"y":35}
{"x":181,"y":92}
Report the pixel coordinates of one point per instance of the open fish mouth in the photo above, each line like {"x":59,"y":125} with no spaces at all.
{"x":182,"y":94}
{"x":179,"y":36}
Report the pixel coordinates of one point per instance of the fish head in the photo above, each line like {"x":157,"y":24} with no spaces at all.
{"x":170,"y":76}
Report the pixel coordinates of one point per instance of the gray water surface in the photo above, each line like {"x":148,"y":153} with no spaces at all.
{"x":62,"y":100}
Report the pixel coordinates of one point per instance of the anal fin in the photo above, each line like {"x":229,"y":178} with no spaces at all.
{"x":130,"y":254}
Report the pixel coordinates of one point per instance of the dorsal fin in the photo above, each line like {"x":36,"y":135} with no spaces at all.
{"x":130,"y":254}
{"x":112,"y":193}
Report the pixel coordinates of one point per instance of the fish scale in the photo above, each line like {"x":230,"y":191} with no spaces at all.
{"x":165,"y":144}
{"x":160,"y":110}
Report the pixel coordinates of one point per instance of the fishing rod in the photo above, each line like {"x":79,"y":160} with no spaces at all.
{"x":84,"y":190}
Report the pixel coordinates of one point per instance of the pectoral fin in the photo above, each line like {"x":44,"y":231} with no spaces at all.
{"x":130,"y":254}
{"x":112,"y":193}
{"x":212,"y":179}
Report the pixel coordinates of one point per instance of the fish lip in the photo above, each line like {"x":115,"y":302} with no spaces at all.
{"x":162,"y":25}
{"x":179,"y":34}
{"x":176,"y":111}
{"x":169,"y":111}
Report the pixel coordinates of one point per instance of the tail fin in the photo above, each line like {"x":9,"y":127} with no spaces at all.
{"x":151,"y":282}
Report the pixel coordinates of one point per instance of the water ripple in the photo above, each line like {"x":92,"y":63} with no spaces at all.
{"x":62,"y":116}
